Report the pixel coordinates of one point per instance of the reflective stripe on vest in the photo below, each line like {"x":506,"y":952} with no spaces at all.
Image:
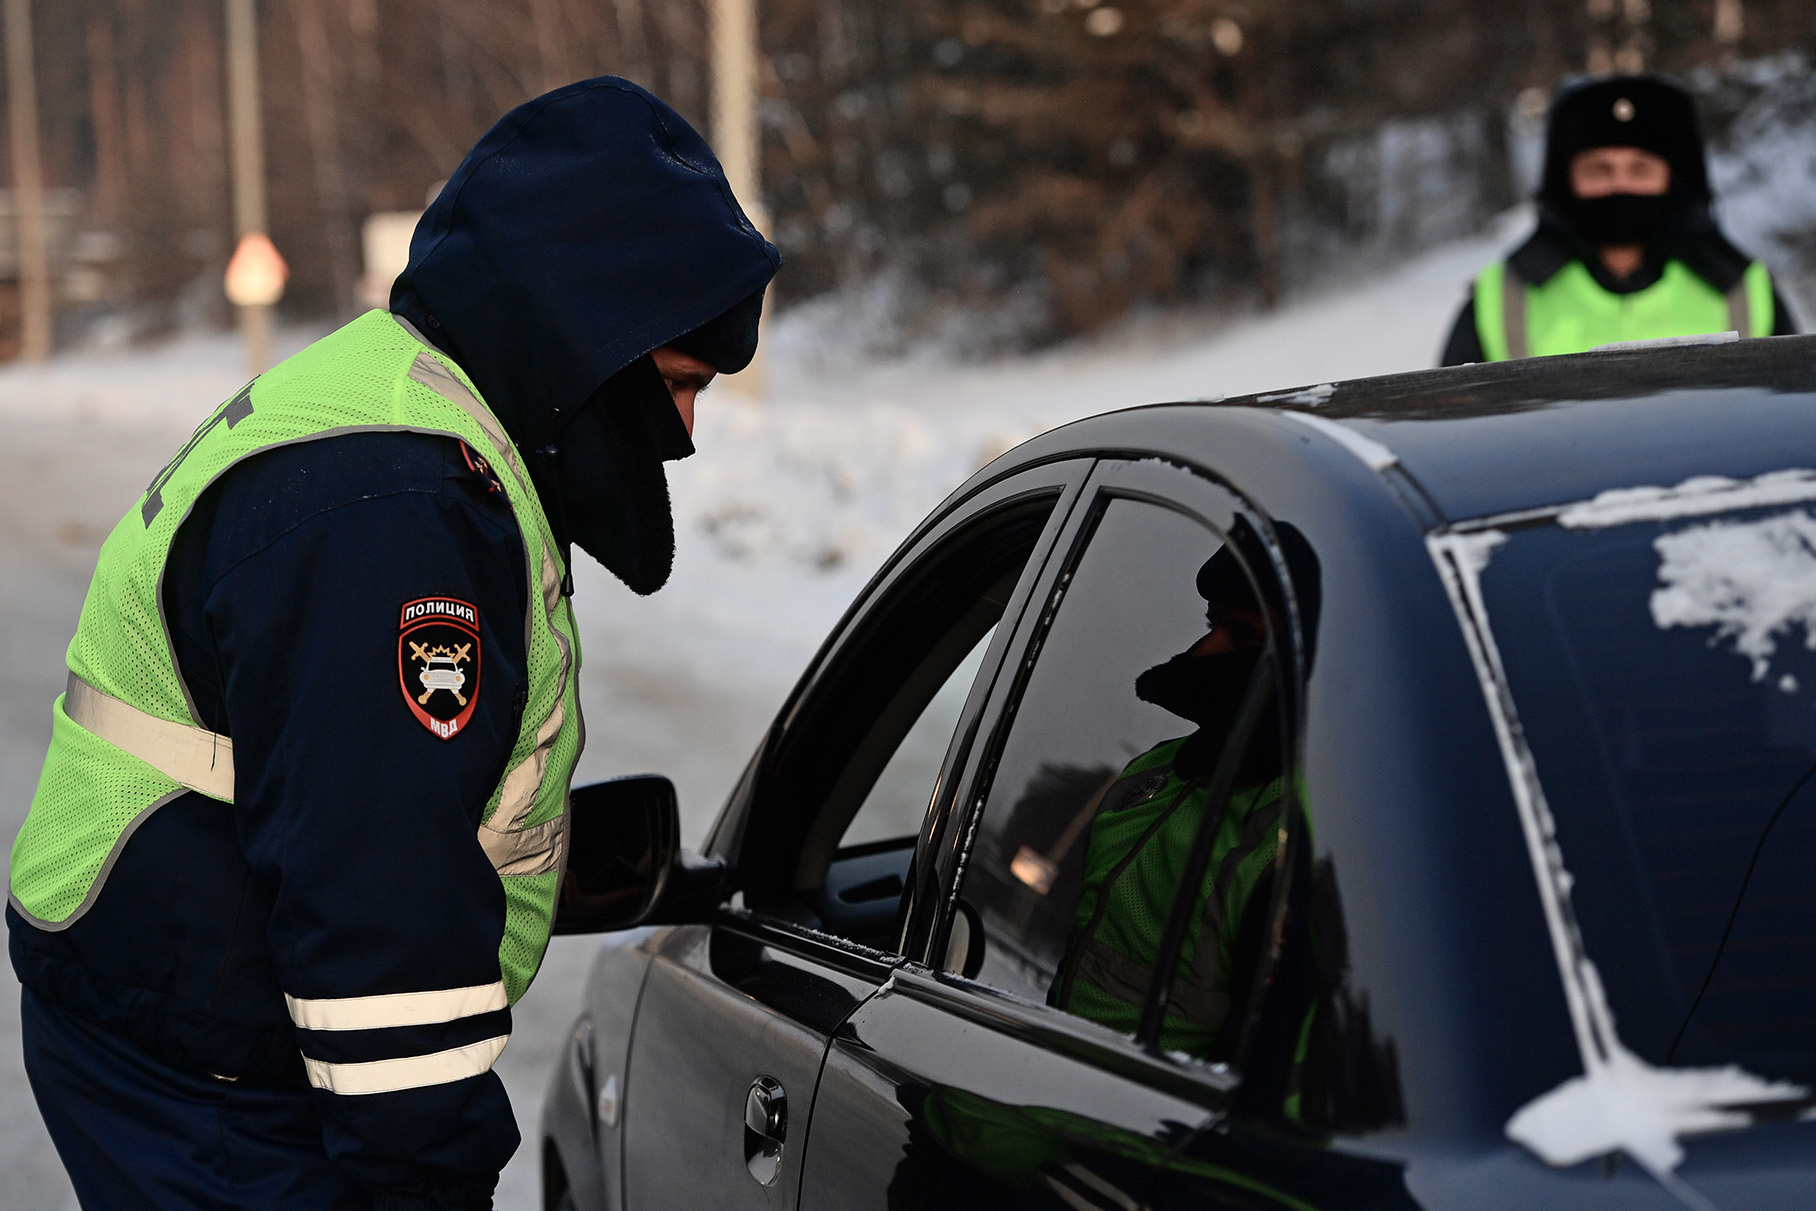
{"x":125,"y":736}
{"x":514,"y":848}
{"x":190,"y":756}
{"x":1571,"y":313}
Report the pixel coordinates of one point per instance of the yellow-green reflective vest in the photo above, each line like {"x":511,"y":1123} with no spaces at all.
{"x":1138,"y":846}
{"x":125,"y":738}
{"x":1571,"y":313}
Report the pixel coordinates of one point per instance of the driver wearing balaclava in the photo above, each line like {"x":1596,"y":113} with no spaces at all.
{"x":1150,"y":816}
{"x":1627,"y":246}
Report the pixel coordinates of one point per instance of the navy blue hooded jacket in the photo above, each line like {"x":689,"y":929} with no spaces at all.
{"x":587,"y":228}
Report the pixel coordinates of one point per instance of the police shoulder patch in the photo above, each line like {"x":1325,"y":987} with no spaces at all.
{"x":438,"y":662}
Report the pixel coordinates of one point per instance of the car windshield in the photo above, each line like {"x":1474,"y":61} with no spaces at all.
{"x":1665,"y":678}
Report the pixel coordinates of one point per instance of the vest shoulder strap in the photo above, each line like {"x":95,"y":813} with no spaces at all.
{"x":1500,"y":312}
{"x":1752,"y":310}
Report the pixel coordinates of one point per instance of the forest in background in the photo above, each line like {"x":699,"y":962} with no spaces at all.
{"x":1015,"y":171}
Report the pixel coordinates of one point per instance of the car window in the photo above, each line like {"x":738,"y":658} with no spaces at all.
{"x":897,"y":802}
{"x":839,"y":801}
{"x":1665,"y":684}
{"x":1106,"y":778}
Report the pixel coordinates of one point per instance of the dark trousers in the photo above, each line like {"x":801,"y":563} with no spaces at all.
{"x":135,"y":1132}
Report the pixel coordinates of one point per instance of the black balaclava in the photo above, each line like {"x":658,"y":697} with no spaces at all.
{"x":586,"y":229}
{"x":1208,"y":689}
{"x":1648,"y":112}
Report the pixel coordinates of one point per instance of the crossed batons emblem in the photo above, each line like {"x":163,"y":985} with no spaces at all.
{"x":454,"y":657}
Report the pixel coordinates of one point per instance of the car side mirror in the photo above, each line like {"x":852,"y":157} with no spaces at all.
{"x":625,"y":864}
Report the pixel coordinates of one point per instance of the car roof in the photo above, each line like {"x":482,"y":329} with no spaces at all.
{"x":1483,"y":440}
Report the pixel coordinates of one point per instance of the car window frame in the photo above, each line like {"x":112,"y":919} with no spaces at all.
{"x":1059,"y":481}
{"x":945,"y":847}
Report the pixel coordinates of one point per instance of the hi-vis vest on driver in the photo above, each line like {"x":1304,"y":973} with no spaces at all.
{"x":1571,"y":313}
{"x":125,"y":739}
{"x":1140,"y":836}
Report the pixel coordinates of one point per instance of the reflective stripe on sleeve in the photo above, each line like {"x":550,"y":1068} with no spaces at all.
{"x":396,"y":1009}
{"x":407,"y":1072}
{"x":189,"y":756}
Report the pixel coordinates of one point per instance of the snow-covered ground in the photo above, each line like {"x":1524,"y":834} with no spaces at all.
{"x":787,"y":509}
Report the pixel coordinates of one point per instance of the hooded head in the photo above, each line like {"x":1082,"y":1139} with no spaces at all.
{"x":1206,"y":683}
{"x":1224,"y":585}
{"x":586,"y":229}
{"x":1650,"y":113}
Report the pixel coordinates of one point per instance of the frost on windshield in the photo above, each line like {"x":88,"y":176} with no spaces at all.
{"x":1621,"y":1103}
{"x":1753,"y":581}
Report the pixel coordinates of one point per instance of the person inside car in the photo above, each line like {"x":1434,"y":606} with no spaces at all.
{"x":1627,"y":246}
{"x":1141,"y":831}
{"x":1149,"y":817}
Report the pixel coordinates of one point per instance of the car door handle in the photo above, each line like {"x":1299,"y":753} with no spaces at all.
{"x":765,"y":1128}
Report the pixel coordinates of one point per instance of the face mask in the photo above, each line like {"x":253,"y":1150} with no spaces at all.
{"x":1208,"y":690}
{"x":604,"y":480}
{"x":1620,"y":218}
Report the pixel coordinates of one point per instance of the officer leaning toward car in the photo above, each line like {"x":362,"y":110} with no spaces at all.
{"x":294,"y":850}
{"x":1627,"y":247}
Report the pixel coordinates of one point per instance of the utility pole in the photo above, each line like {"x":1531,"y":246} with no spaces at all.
{"x":28,"y":184}
{"x":255,"y":276}
{"x":736,"y":137}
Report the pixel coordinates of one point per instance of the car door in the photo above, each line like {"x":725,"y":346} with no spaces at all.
{"x":983,"y":1091}
{"x":734,"y":1016}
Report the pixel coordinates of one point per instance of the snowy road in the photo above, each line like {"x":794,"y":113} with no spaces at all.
{"x":781,"y":518}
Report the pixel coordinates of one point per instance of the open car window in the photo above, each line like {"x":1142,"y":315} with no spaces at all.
{"x":896,"y":804}
{"x":839,"y":802}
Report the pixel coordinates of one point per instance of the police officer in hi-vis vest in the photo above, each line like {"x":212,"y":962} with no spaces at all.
{"x":1627,"y":247}
{"x":293,"y":854}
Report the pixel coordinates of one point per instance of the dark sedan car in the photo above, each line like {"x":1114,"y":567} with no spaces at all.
{"x":1389,"y":795}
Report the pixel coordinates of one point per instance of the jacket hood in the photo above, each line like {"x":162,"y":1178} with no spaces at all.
{"x":585,"y":229}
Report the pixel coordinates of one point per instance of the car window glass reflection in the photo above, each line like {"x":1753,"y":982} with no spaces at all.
{"x":1104,"y":784}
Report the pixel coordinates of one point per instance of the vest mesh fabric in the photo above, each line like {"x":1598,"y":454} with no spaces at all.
{"x":91,"y":793}
{"x":77,"y":819}
{"x":1134,"y":860}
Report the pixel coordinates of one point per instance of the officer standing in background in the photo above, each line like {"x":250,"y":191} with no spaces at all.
{"x":294,"y":850}
{"x":1627,"y":247}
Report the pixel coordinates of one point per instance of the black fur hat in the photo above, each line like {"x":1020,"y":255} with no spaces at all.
{"x":1651,"y":113}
